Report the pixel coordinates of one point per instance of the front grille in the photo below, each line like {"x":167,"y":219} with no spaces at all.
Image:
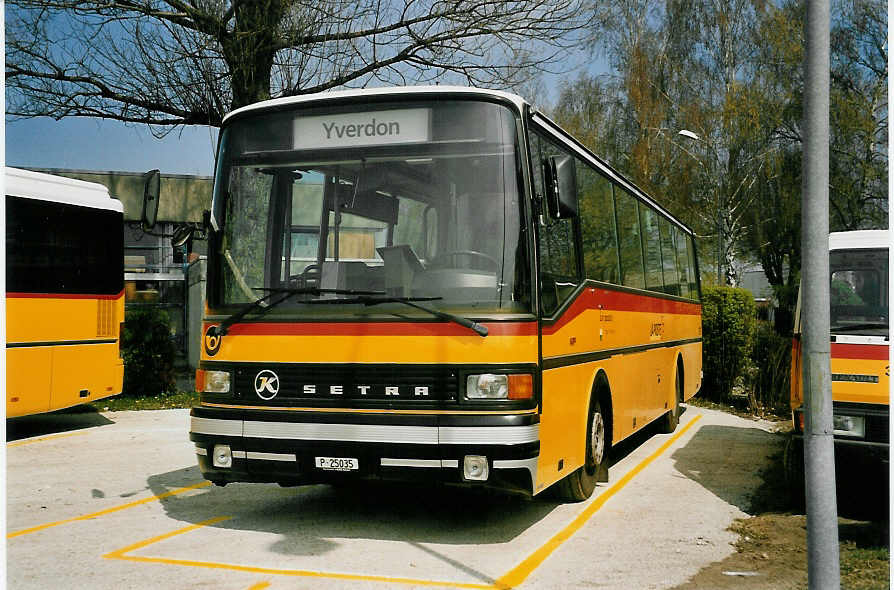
{"x":396,"y":383}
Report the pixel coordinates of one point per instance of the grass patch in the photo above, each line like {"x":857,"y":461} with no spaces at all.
{"x":162,"y":401}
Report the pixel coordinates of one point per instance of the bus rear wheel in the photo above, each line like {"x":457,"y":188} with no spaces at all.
{"x":672,"y":418}
{"x":579,"y":485}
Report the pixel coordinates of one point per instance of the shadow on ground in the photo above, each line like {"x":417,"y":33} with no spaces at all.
{"x":309,"y":520}
{"x":67,"y":420}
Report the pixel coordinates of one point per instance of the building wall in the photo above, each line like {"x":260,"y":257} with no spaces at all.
{"x":182,"y":197}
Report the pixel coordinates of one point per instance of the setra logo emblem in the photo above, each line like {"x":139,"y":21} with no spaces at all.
{"x":212,"y":341}
{"x":266,"y":384}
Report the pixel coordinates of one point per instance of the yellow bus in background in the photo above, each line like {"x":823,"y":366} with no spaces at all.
{"x":860,"y":345}
{"x":64,"y":292}
{"x":434,"y":283}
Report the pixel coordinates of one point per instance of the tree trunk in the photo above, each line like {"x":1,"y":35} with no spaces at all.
{"x":249,"y":50}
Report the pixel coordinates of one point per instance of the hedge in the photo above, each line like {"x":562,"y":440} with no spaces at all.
{"x":148,"y":353}
{"x":728,"y":331}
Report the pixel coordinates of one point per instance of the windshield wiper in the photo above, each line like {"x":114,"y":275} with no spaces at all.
{"x":266,"y":303}
{"x":412,"y":302}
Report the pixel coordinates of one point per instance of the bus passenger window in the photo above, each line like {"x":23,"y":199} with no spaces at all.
{"x":651,"y":243}
{"x":599,"y":242}
{"x":630,"y":245}
{"x":668,"y":257}
{"x":682,"y":262}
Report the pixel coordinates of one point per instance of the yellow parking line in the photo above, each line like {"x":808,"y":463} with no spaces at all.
{"x":121,"y":554}
{"x":260,"y":586}
{"x":519,"y":573}
{"x":512,"y":578}
{"x":108,"y":510}
{"x":43,"y":438}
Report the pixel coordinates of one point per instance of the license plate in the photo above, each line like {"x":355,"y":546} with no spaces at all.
{"x":337,"y":463}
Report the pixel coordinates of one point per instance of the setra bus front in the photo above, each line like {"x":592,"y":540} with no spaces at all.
{"x":369,"y":296}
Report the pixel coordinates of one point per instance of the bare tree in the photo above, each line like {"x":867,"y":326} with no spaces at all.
{"x":175,"y":62}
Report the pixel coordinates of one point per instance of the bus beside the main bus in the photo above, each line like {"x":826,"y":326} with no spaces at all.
{"x":64,"y":292}
{"x":859,"y":320}
{"x":434,"y":283}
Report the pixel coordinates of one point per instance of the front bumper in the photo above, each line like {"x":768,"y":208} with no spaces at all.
{"x":281,"y":446}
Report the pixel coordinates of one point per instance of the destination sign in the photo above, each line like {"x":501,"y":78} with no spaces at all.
{"x":362,"y":129}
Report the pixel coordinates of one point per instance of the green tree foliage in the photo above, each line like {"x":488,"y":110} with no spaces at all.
{"x":148,"y":353}
{"x":728,"y":329}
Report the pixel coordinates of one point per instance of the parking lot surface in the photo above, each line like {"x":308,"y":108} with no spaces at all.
{"x":115,"y":500}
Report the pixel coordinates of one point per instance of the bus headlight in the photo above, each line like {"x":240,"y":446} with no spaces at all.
{"x":215,"y":381}
{"x":849,"y":425}
{"x":497,"y":386}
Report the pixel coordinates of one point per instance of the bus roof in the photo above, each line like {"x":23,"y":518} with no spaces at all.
{"x":388,"y":91}
{"x":59,"y":189}
{"x":860,"y":239}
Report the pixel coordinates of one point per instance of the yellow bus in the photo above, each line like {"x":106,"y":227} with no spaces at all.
{"x":859,"y":348}
{"x":434,"y":283}
{"x":64,"y":292}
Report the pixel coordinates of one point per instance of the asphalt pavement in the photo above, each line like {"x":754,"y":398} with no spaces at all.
{"x":115,"y":500}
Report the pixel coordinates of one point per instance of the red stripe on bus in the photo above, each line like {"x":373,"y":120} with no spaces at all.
{"x":872,"y":352}
{"x":611,"y":300}
{"x":379,"y":329}
{"x":63,"y":295}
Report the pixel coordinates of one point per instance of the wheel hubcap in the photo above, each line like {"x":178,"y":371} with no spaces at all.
{"x":597,"y":438}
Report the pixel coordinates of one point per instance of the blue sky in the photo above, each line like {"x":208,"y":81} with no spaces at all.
{"x":95,"y":144}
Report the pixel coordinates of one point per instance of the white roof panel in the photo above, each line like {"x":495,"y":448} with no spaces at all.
{"x":860,"y":239}
{"x":59,"y":189}
{"x":395,"y":91}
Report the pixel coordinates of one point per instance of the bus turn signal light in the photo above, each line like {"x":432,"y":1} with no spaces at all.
{"x":521,"y":386}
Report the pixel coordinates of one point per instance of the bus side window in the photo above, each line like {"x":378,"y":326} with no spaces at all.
{"x":558,"y":253}
{"x":629,"y":242}
{"x":668,"y":257}
{"x":682,"y":262}
{"x":651,"y":248}
{"x":599,"y":240}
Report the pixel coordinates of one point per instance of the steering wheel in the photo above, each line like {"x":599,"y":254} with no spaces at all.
{"x":309,"y":277}
{"x":491,"y":261}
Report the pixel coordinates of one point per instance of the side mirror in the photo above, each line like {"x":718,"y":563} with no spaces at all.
{"x":561,"y":187}
{"x":151,"y":190}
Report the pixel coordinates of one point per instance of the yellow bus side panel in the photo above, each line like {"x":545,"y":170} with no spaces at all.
{"x":864,"y":393}
{"x":563,"y":424}
{"x":844,"y":366}
{"x":642,"y":389}
{"x":27,"y":381}
{"x":47,"y":378}
{"x":45,"y":319}
{"x":606,"y":329}
{"x":94,"y":368}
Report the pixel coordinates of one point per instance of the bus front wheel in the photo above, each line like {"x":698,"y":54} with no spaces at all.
{"x":579,"y":485}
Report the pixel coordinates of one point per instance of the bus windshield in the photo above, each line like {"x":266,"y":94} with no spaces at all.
{"x":859,"y":292}
{"x":397,"y":199}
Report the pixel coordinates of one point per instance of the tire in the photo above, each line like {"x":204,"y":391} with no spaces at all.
{"x":579,"y":485}
{"x":672,"y":418}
